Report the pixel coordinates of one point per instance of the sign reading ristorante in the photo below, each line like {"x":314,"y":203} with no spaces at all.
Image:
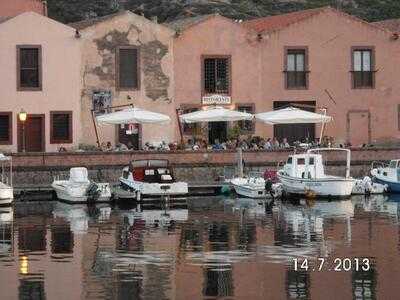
{"x":216,"y":99}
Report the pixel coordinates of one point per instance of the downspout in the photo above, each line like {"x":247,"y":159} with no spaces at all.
{"x":45,"y":10}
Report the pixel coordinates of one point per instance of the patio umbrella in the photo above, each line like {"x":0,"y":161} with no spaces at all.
{"x":215,"y":114}
{"x":291,"y":115}
{"x":133,"y":115}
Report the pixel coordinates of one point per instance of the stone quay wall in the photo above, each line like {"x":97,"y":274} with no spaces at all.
{"x":191,"y":166}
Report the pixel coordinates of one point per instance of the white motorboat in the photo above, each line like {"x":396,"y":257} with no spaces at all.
{"x":151,"y":178}
{"x":366,"y":186}
{"x":6,"y":188}
{"x":79,"y":189}
{"x":304,"y":175}
{"x":388,"y":175}
{"x":255,"y":186}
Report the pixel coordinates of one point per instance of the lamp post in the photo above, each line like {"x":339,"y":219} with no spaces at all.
{"x":22,"y":117}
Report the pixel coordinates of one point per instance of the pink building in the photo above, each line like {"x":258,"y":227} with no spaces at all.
{"x":40,"y":60}
{"x":319,"y":58}
{"x":10,"y":8}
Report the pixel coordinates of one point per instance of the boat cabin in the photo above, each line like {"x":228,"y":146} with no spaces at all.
{"x":150,"y":171}
{"x":392,"y":171}
{"x":304,"y":166}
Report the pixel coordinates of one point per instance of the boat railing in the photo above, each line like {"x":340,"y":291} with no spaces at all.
{"x":255,"y":174}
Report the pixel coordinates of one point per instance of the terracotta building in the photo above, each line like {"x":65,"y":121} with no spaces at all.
{"x":39,"y":79}
{"x":319,"y":58}
{"x":10,"y":8}
{"x":126,"y":59}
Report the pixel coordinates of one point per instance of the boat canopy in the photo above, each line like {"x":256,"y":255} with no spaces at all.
{"x":133,"y":115}
{"x":215,"y":114}
{"x":291,"y":115}
{"x":4,"y":158}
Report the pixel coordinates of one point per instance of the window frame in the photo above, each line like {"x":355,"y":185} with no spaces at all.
{"x":202,"y":83}
{"x":253,"y":125}
{"x":117,"y":69}
{"x":40,"y":68}
{"x":372,"y":62}
{"x":10,"y":127}
{"x":306,"y":67}
{"x":70,"y":129}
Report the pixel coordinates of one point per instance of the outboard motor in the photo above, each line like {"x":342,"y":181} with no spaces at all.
{"x":93,"y":192}
{"x":268,"y":187}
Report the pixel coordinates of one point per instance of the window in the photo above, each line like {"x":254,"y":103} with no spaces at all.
{"x":296,"y":68}
{"x":216,"y":75}
{"x":362,"y":68}
{"x":301,"y":161}
{"x":190,"y":128}
{"x":5,"y":128}
{"x":289,"y":161}
{"x":311,"y":161}
{"x":61,"y":127}
{"x":246,"y":126}
{"x":29,"y":68}
{"x":127,"y":68}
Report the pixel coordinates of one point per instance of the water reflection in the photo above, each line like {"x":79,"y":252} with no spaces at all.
{"x":228,"y":248}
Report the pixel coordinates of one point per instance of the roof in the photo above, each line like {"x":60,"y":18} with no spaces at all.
{"x":391,"y":24}
{"x":272,"y":23}
{"x":4,"y":19}
{"x":90,"y":22}
{"x":185,"y":23}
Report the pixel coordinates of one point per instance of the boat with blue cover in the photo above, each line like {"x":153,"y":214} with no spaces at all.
{"x":389,"y":175}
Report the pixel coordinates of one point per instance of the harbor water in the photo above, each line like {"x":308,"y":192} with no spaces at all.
{"x":209,"y":248}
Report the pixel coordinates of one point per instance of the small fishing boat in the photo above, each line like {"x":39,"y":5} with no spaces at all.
{"x":304,"y":175}
{"x":388,"y":175}
{"x":6,"y":188}
{"x":151,"y":178}
{"x":79,"y":189}
{"x":366,"y":186}
{"x":255,"y":186}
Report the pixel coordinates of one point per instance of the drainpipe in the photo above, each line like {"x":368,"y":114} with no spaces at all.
{"x":45,"y":12}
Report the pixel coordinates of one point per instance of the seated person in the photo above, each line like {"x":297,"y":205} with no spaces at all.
{"x":121,"y":147}
{"x":109,"y":146}
{"x":285,"y":143}
{"x":267,"y":144}
{"x":217,"y":145}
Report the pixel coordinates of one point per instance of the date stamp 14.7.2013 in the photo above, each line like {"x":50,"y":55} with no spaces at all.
{"x":343,"y":264}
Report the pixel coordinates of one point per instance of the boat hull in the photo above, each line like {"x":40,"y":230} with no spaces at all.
{"x":6,"y":195}
{"x":77,"y":194}
{"x":326,"y":187}
{"x":251,"y":192}
{"x":156,"y":189}
{"x":393,"y":187}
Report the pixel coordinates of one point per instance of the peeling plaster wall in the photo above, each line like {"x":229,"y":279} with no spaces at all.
{"x":156,"y":73}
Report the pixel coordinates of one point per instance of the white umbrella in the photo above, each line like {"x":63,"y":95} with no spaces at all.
{"x":131,"y":116}
{"x":215,"y":114}
{"x":291,"y":115}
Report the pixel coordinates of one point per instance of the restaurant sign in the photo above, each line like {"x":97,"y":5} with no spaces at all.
{"x":216,"y":99}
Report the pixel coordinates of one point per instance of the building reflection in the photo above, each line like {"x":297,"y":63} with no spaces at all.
{"x":62,"y":239}
{"x":32,"y":237}
{"x":32,"y":288}
{"x":297,"y":284}
{"x":218,"y":282}
{"x":364,"y":284}
{"x":6,"y":231}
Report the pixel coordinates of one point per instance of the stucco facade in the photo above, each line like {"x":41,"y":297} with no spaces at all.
{"x":101,"y":40}
{"x":60,"y":77}
{"x":10,"y":8}
{"x":258,"y":64}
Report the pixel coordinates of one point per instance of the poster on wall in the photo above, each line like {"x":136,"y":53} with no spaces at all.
{"x":102,"y":101}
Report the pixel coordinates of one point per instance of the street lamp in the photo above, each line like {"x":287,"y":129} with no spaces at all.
{"x":22,"y":117}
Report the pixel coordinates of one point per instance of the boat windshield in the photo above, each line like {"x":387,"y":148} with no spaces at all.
{"x":393,"y":164}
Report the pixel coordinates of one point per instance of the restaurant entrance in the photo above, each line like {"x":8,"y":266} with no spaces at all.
{"x":217,"y":131}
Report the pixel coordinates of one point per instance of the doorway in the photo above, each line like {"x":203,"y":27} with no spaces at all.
{"x":217,"y":130}
{"x":295,"y":132}
{"x":358,"y":127}
{"x":129,"y":135}
{"x":34,"y":134}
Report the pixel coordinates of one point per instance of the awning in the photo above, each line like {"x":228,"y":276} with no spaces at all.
{"x":133,"y":115}
{"x":215,"y":114}
{"x":291,"y":115}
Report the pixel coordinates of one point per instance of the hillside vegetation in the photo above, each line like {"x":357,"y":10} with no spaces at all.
{"x":169,"y":10}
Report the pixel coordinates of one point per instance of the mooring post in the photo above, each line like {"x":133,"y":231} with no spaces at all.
{"x":240,"y":161}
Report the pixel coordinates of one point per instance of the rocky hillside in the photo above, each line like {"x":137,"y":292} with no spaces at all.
{"x":169,"y":10}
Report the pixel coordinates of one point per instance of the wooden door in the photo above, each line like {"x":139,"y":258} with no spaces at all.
{"x":295,"y":132}
{"x":34,"y":134}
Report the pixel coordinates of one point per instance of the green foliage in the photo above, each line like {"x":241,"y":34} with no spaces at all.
{"x":168,"y":10}
{"x":234,"y":132}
